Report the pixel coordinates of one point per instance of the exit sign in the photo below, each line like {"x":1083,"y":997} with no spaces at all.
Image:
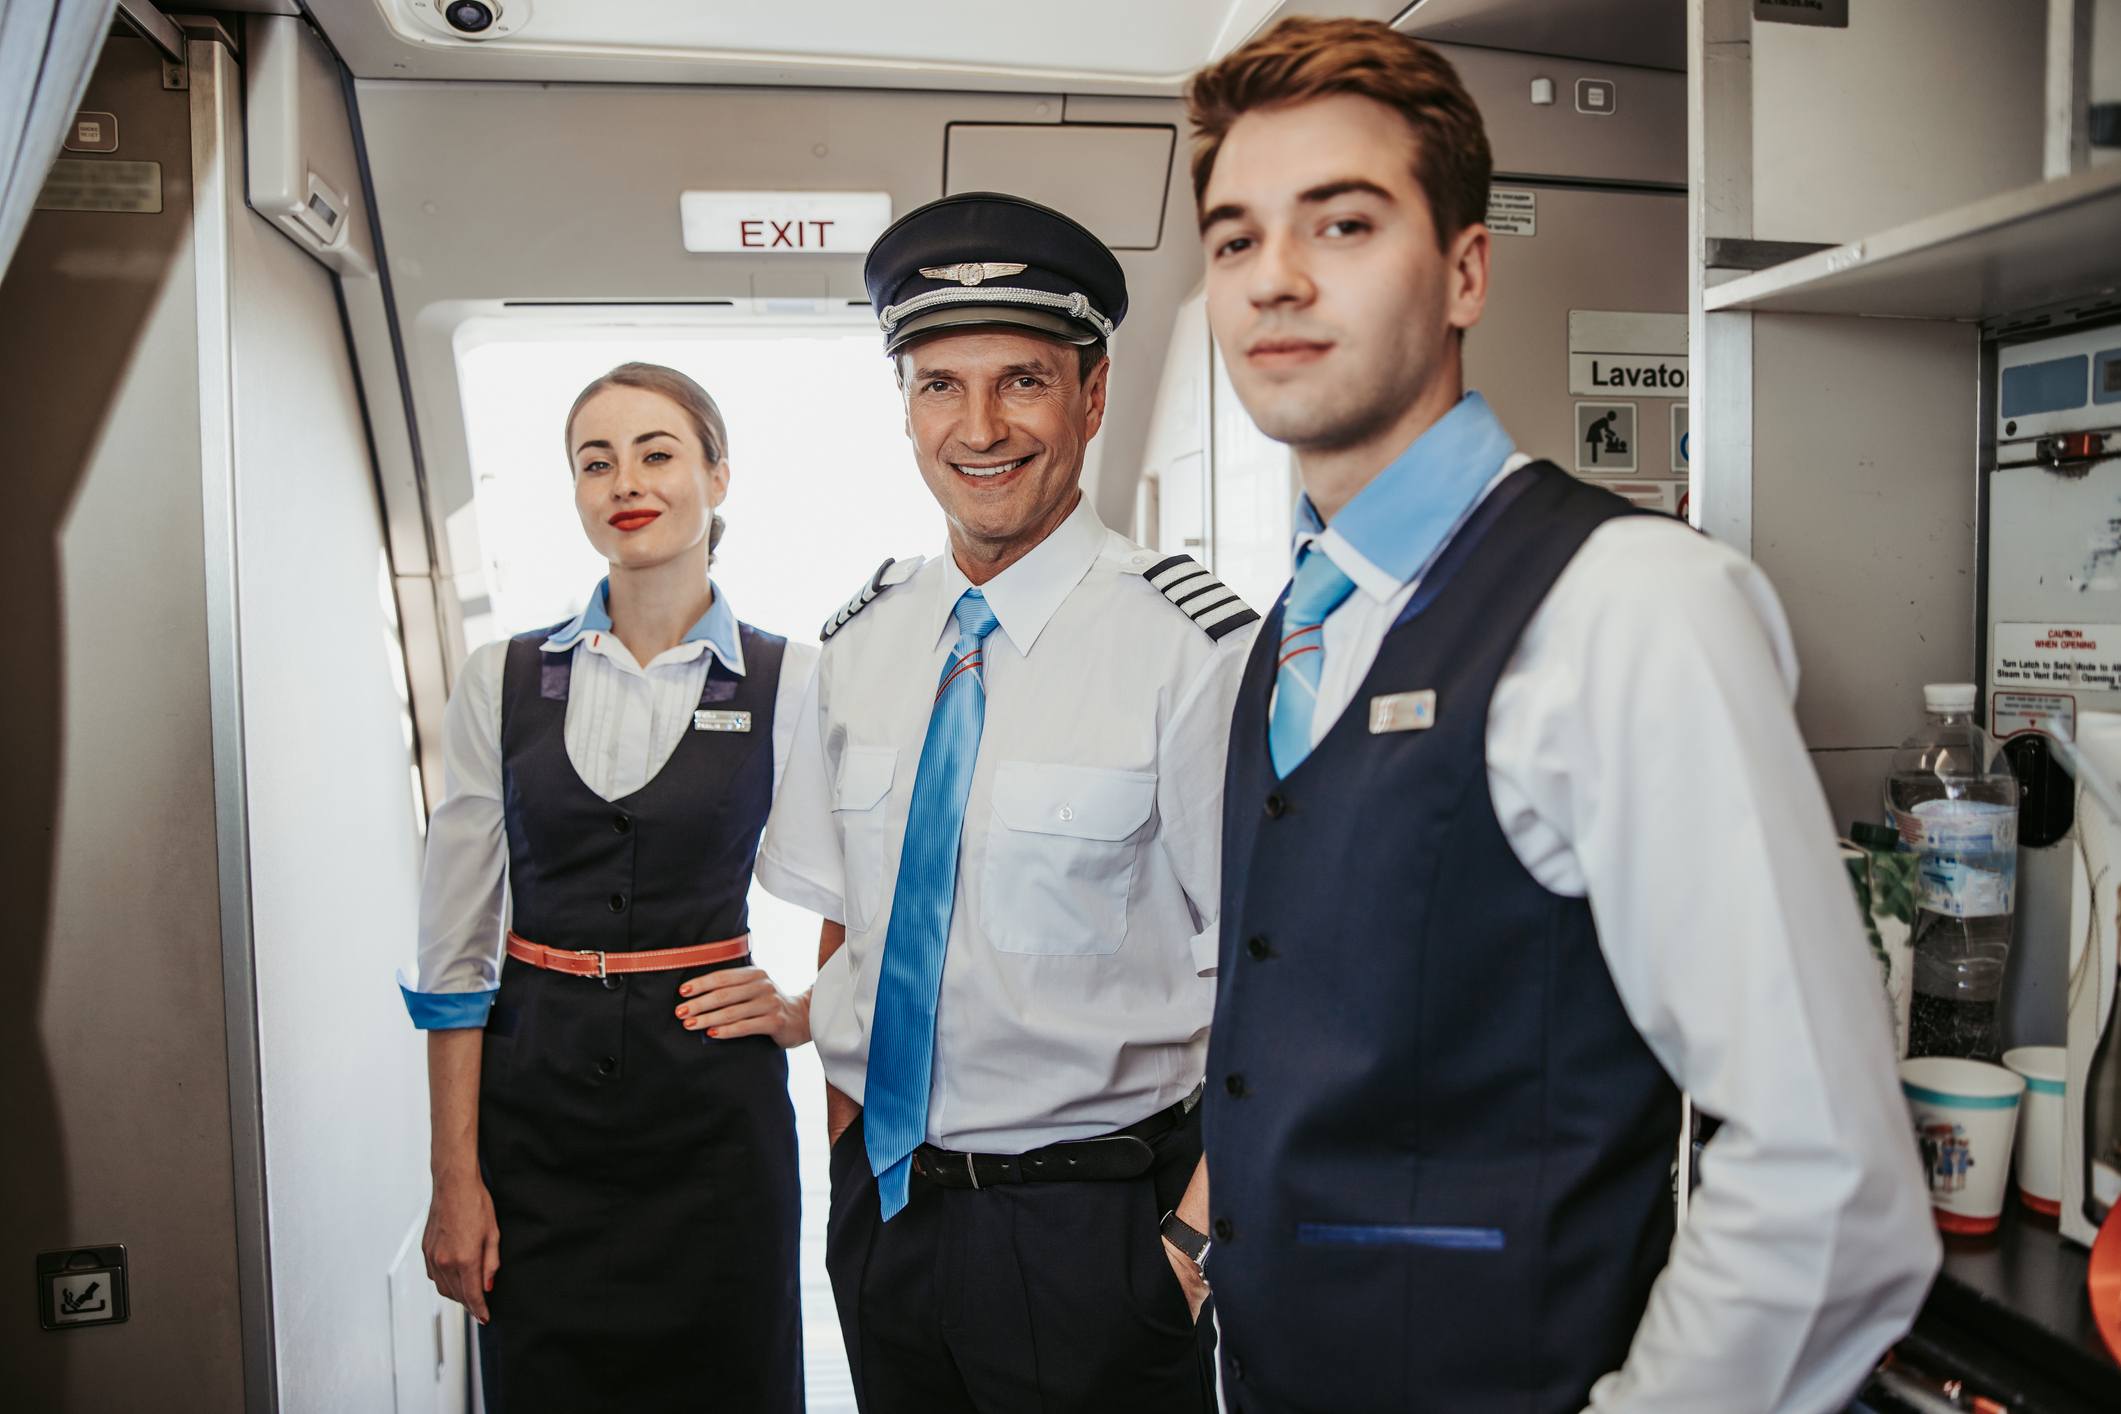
{"x":784,"y":222}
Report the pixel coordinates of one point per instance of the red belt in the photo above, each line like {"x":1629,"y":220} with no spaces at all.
{"x":607,"y":964}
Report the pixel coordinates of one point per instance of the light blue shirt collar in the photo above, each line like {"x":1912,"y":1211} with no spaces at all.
{"x":716,"y":628}
{"x":1394,"y":527}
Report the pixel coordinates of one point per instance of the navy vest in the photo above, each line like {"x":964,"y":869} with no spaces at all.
{"x":666,"y":867}
{"x":1439,"y":1153}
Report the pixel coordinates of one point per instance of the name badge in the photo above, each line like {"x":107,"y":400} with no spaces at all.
{"x":706,"y":721}
{"x":1403,"y":712}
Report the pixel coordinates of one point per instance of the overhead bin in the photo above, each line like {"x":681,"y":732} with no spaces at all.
{"x":1112,"y":178}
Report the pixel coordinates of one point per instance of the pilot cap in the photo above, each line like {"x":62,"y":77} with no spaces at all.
{"x":982,"y":258}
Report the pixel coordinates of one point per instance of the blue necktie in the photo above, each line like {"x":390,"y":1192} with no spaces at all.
{"x":902,"y":1029}
{"x":1318,"y":591}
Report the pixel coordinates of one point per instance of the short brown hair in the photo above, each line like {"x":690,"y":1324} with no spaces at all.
{"x":698,"y":406}
{"x":1302,"y":58}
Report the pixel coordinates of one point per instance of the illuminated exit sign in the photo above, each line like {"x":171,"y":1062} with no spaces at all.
{"x":784,"y":222}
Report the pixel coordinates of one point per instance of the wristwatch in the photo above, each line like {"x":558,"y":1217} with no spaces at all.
{"x":1182,"y":1235}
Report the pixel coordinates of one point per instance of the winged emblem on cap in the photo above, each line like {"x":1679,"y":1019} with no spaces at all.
{"x":972,"y":272}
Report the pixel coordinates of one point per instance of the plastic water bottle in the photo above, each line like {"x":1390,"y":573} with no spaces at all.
{"x":1955,"y":802}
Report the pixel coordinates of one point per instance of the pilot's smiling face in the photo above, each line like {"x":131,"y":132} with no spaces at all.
{"x":1000,"y":423}
{"x":1333,"y":301}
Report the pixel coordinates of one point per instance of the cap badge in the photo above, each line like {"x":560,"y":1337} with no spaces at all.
{"x":972,"y":271}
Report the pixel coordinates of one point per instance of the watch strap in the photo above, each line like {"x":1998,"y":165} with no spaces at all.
{"x":1185,"y":1237}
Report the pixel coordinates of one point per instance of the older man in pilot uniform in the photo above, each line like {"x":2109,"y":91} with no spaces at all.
{"x":1005,"y":798}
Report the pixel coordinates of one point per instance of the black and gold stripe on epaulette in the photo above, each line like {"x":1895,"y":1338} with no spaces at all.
{"x":1200,"y":596}
{"x":859,"y":602}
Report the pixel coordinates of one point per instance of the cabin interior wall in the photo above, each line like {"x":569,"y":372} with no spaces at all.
{"x":518,"y":192}
{"x":111,"y":1017}
{"x":334,"y":827}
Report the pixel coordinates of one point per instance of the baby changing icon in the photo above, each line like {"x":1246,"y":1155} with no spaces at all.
{"x":1605,"y":437}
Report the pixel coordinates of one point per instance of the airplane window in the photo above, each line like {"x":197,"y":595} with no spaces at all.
{"x":814,"y":422}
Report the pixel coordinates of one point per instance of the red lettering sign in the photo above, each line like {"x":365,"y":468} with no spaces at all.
{"x":747,"y":229}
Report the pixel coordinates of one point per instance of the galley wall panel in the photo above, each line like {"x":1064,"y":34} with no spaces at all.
{"x":333,"y":827}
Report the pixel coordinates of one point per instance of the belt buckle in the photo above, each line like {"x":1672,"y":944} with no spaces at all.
{"x":600,"y":961}
{"x":972,"y":1172}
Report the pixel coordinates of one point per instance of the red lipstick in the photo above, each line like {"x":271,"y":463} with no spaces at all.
{"x":633,"y":520}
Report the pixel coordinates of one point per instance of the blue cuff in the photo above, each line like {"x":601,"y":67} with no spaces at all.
{"x":448,"y":1011}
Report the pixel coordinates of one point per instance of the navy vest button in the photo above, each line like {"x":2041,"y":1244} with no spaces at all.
{"x":607,"y":1065}
{"x":1237,"y":1367}
{"x":618,"y":903}
{"x":1276,"y":806}
{"x":1235,"y":1084}
{"x":1225,"y":1230}
{"x":1259,"y":949}
{"x":622,"y":824}
{"x":612,"y":984}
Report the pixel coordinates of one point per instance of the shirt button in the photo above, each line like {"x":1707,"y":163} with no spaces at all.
{"x":622,"y":824}
{"x":607,"y":1065}
{"x":1276,"y":806}
{"x":1258,"y":948}
{"x":1235,"y":1084}
{"x":1225,"y":1230}
{"x":1067,"y":812}
{"x":618,"y":903}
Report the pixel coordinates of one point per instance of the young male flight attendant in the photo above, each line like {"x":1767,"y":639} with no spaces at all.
{"x":1520,"y":837}
{"x":614,"y":1151}
{"x":1006,"y":798}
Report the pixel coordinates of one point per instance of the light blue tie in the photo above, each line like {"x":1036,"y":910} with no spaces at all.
{"x":902,"y":1029}
{"x":1318,"y":591}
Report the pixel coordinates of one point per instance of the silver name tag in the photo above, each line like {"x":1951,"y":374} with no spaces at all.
{"x":706,"y":721}
{"x":1403,"y":712}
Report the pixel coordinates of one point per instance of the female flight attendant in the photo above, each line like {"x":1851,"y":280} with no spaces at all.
{"x":614,"y":1152}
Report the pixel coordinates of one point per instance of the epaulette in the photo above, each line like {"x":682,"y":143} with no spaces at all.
{"x":882,"y":580}
{"x":1200,"y":596}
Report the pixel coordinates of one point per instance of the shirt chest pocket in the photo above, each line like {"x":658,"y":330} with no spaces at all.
{"x":1061,"y":854}
{"x":861,"y":805}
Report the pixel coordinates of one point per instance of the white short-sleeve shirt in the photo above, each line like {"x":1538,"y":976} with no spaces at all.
{"x":1078,"y":979}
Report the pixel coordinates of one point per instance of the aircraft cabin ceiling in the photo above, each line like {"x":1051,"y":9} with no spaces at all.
{"x":1086,"y":46}
{"x":1649,"y":34}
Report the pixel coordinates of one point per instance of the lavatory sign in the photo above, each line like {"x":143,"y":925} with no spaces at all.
{"x":1619,"y":354}
{"x":783,"y":222}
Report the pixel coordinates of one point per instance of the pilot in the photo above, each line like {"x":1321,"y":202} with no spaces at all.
{"x":615,"y":1189}
{"x":1521,"y":839}
{"x":1005,"y":799}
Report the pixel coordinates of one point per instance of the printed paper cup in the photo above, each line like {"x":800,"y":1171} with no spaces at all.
{"x":2039,"y":1153}
{"x":1966,"y":1116}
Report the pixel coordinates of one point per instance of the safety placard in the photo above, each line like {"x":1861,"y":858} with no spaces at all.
{"x":1513,"y":211}
{"x":2016,"y":713}
{"x":2057,"y":656}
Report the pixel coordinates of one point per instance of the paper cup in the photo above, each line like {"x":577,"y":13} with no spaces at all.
{"x":1966,"y":1116}
{"x":2039,"y":1154}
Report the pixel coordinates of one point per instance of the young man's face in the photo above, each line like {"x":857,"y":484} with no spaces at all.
{"x":1335,"y":308}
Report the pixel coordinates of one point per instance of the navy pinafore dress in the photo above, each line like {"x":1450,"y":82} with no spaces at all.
{"x":643,"y":1176}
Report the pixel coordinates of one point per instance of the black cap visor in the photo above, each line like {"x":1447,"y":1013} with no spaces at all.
{"x":970,"y":316}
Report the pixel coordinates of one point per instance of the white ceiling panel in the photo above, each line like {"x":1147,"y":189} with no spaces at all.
{"x":1112,"y":46}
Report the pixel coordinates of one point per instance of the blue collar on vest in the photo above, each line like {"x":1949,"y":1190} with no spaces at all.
{"x":1395,"y":526}
{"x":716,"y":628}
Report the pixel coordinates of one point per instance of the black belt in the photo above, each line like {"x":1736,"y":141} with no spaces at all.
{"x":1124,"y":1153}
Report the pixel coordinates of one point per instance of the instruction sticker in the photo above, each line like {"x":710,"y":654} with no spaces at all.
{"x":1513,"y":211}
{"x":1605,"y":437}
{"x":2057,"y":655}
{"x":1681,"y":450}
{"x":2016,"y":713}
